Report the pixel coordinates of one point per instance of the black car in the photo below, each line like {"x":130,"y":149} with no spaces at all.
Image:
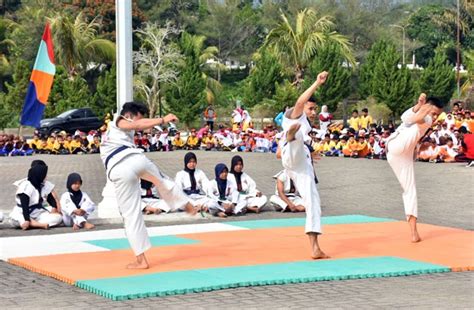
{"x":77,"y":119}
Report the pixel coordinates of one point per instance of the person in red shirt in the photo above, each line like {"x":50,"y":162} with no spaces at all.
{"x":467,"y":143}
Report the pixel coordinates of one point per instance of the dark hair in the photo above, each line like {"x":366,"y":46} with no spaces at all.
{"x":312,"y":99}
{"x":449,"y":139}
{"x":365,"y":110}
{"x":435,"y":101}
{"x":456,"y":104}
{"x":355,"y":111}
{"x":134,"y":108}
{"x":463,"y":129}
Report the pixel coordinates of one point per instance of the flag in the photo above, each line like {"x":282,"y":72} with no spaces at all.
{"x":40,"y":82}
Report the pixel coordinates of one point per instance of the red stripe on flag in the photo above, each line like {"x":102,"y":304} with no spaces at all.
{"x":47,"y":38}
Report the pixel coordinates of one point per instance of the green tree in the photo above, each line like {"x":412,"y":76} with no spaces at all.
{"x":261,"y":82}
{"x":105,"y":97}
{"x":286,"y":94}
{"x":438,"y":79}
{"x":75,"y":94}
{"x":367,"y":69}
{"x":338,"y":85}
{"x":78,"y":45}
{"x":392,"y":85}
{"x":297,"y":43}
{"x":14,"y":99}
{"x":188,"y":97}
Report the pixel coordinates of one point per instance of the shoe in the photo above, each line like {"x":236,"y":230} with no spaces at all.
{"x":471,"y":164}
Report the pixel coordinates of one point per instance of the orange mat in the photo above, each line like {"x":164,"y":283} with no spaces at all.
{"x":450,"y":247}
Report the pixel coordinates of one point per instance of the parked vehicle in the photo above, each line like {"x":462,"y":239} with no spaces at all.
{"x":77,"y":119}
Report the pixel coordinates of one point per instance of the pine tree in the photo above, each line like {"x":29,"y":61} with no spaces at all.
{"x":338,"y":85}
{"x":261,"y":82}
{"x":188,"y":97}
{"x":105,"y":98}
{"x":438,"y":79}
{"x":286,"y":95}
{"x":391,"y":85}
{"x":366,"y":73}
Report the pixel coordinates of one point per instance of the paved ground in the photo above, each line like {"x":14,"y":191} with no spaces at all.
{"x":347,"y":186}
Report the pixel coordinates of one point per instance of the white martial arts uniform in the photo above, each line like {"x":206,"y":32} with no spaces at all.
{"x":401,"y":147}
{"x":1,"y":216}
{"x":249,"y":191}
{"x":68,"y":207}
{"x":232,"y":196}
{"x":41,"y":215}
{"x":294,"y":197}
{"x":125,"y":169}
{"x":296,"y":159}
{"x":202,"y":183}
{"x":155,"y":201}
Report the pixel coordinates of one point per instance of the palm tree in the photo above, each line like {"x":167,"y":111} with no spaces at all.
{"x":468,"y":87}
{"x":77,"y":45}
{"x":297,"y":44}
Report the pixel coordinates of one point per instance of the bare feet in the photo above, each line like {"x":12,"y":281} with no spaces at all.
{"x":88,"y":225}
{"x":318,"y":254}
{"x":415,"y":237}
{"x":75,"y":227}
{"x":189,"y":208}
{"x":45,"y":226}
{"x":291,"y":133}
{"x":222,"y":214}
{"x":140,"y":263}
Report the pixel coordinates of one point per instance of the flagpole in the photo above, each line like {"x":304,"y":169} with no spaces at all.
{"x":123,"y":23}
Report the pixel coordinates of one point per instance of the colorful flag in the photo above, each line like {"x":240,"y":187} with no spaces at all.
{"x":40,"y":82}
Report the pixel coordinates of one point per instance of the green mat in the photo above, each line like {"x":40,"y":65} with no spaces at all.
{"x":122,"y":243}
{"x":188,"y":281}
{"x":300,"y":221}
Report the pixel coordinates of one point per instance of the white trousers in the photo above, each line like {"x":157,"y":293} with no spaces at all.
{"x":296,"y":159}
{"x":125,"y":176}
{"x":215,"y":207}
{"x":155,"y":203}
{"x":277,"y":201}
{"x":400,"y":158}
{"x":258,"y":202}
{"x":40,"y":215}
{"x":69,"y":220}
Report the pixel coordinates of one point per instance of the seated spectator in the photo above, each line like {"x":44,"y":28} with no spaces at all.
{"x":209,"y":143}
{"x":94,"y":145}
{"x":468,"y":122}
{"x":427,"y":151}
{"x":76,"y":146}
{"x":329,"y":146}
{"x":224,"y":195}
{"x":151,"y":203}
{"x":203,"y":132}
{"x":192,"y":143}
{"x":76,"y":204}
{"x":60,"y":146}
{"x":35,"y":142}
{"x":247,"y":188}
{"x":466,"y":153}
{"x":286,"y":196}
{"x":32,"y":193}
{"x":177,"y":142}
{"x":145,"y":142}
{"x":447,"y":152}
{"x":363,"y":149}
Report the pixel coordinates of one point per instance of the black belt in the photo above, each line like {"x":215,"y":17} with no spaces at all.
{"x":115,"y":152}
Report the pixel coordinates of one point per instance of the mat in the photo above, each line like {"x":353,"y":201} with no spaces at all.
{"x":256,"y":249}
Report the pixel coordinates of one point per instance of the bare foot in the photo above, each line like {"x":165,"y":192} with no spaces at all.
{"x":291,"y":133}
{"x":222,"y":214}
{"x":88,"y":225}
{"x":415,"y":238}
{"x":46,"y":226}
{"x":138,"y":265}
{"x":75,"y":227}
{"x":190,"y":209}
{"x":318,"y":254}
{"x":157,"y":211}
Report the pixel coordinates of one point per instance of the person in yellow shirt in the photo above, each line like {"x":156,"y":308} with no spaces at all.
{"x":76,"y":145}
{"x":458,"y":121}
{"x":192,"y":143}
{"x":209,"y":142}
{"x":67,"y":142}
{"x":94,"y":145}
{"x":468,"y":122}
{"x":329,"y":146}
{"x":42,"y":147}
{"x":317,"y":145}
{"x":177,"y":142}
{"x":59,"y":147}
{"x":50,"y":143}
{"x":35,"y":142}
{"x":340,"y":145}
{"x":349,"y":146}
{"x":365,"y":119}
{"x":354,"y":121}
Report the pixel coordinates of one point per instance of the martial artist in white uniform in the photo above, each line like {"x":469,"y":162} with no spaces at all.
{"x":126,"y":164}
{"x":286,"y":196}
{"x":401,"y":147}
{"x":194,"y":183}
{"x":297,"y":160}
{"x":246,"y":186}
{"x":76,"y":204}
{"x":224,"y":195}
{"x":31,"y":210}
